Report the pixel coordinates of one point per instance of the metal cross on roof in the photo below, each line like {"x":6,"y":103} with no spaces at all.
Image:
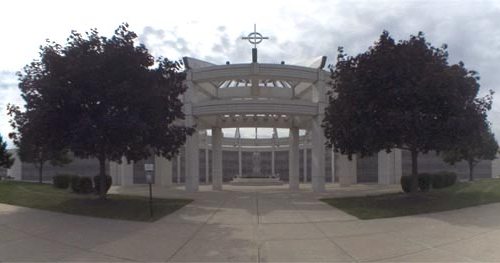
{"x":254,"y":37}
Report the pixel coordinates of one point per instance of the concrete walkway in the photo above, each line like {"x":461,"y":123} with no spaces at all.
{"x":253,"y":224}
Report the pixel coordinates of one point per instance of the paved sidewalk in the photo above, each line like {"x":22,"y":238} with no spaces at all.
{"x":253,"y":224}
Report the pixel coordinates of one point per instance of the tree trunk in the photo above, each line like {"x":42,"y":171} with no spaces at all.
{"x":102,"y":177}
{"x":414,"y":171}
{"x":471,"y":169}
{"x":40,"y":172}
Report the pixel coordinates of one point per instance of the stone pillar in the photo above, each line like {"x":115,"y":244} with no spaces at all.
{"x":347,"y":170}
{"x":207,"y":165}
{"x":293,"y":163}
{"x":216,"y":158}
{"x":240,"y":164}
{"x":178,"y":168}
{"x":495,"y":167}
{"x":127,"y":172}
{"x":114,"y":172}
{"x":163,"y":171}
{"x":192,"y":164}
{"x":16,"y":170}
{"x":394,"y":167}
{"x":304,"y":179}
{"x":273,"y":157}
{"x":318,"y":155}
{"x":333,"y":165}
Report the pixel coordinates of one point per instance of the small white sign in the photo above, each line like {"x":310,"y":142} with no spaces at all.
{"x":149,"y":167}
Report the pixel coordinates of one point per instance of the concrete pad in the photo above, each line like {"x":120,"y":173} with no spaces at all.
{"x":233,"y":218}
{"x":92,"y":257}
{"x":376,"y":246}
{"x":189,"y":215}
{"x":8,"y":234}
{"x":483,"y":247}
{"x":305,"y":250}
{"x":282,"y":217}
{"x":89,"y":238}
{"x":435,"y":234}
{"x":220,"y":243}
{"x":429,"y":255}
{"x":288,"y":231}
{"x":141,"y":247}
{"x":35,"y":249}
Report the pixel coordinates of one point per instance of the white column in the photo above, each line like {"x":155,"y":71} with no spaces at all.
{"x":114,"y":172}
{"x":389,"y":167}
{"x":317,"y":155}
{"x":273,"y":157}
{"x":16,"y":170}
{"x":192,"y":175}
{"x":240,"y":161}
{"x":163,"y":171}
{"x":207,"y":165}
{"x":333,"y":165}
{"x":216,"y":158}
{"x":178,"y":168}
{"x":347,"y":170}
{"x":304,"y":163}
{"x":495,"y":167}
{"x":293,"y":161}
{"x":127,"y":172}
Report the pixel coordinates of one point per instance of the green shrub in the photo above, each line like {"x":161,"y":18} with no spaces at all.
{"x":75,"y":183}
{"x":81,"y":185}
{"x":424,"y":182}
{"x":97,"y":183}
{"x":85,"y":185}
{"x":443,"y":179}
{"x":61,"y":181}
{"x":406,"y":183}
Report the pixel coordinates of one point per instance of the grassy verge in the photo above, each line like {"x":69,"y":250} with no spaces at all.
{"x":391,"y":205}
{"x":124,"y":207}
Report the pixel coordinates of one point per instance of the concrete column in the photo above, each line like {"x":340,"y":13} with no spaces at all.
{"x":273,"y":157}
{"x":495,"y":167}
{"x":317,"y":155}
{"x":16,"y":170}
{"x":293,"y":163}
{"x":333,"y":165}
{"x":304,"y":164}
{"x":207,"y":165}
{"x":390,"y":167}
{"x":347,"y":170}
{"x":178,"y":168}
{"x":127,"y":172}
{"x":240,"y":161}
{"x":114,"y":172}
{"x":192,"y":164}
{"x":216,"y":158}
{"x":163,"y":171}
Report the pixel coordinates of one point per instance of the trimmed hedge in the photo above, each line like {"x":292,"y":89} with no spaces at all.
{"x":426,"y":180}
{"x":97,"y":183}
{"x":406,"y":183}
{"x":443,"y":179}
{"x":81,"y":185}
{"x":61,"y":181}
{"x":75,"y":183}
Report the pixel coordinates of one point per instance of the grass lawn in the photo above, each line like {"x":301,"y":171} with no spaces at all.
{"x":457,"y":196}
{"x":47,"y":197}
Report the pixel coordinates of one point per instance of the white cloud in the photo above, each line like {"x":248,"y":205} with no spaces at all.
{"x":298,"y":30}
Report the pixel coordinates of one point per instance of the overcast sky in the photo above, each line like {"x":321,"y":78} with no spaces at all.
{"x":299,"y":31}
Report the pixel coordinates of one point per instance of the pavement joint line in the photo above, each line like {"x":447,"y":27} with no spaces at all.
{"x":414,"y":253}
{"x":169,"y":259}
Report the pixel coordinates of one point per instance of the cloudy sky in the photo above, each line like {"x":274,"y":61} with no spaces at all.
{"x":298,"y":31}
